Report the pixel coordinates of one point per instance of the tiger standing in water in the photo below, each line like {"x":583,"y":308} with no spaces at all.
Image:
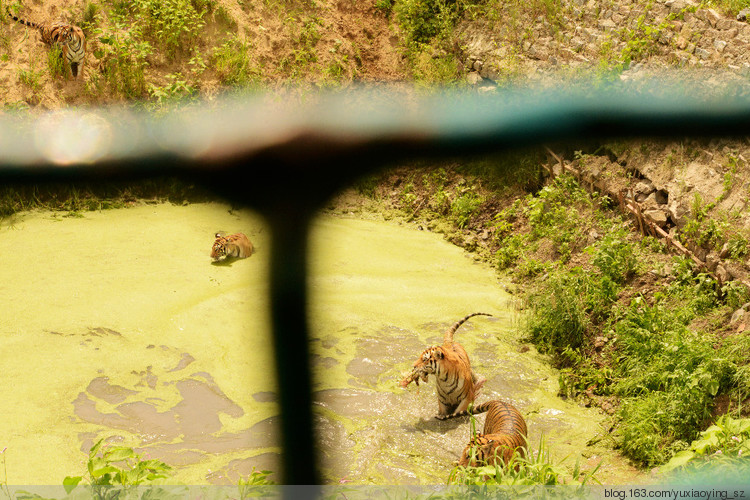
{"x":504,"y":434}
{"x":457,"y":384}
{"x":237,"y":246}
{"x":69,"y":37}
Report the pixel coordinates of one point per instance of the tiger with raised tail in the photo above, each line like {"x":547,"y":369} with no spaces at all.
{"x":236,"y":246}
{"x":457,"y":384}
{"x":504,"y":434}
{"x":68,"y":36}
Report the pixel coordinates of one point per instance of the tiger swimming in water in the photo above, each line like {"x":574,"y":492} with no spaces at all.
{"x":504,"y":433}
{"x":235,"y":245}
{"x":69,"y":37}
{"x":457,"y":384}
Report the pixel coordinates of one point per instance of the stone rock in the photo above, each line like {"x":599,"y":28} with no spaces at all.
{"x":721,"y":274}
{"x":702,"y":53}
{"x":720,"y":45}
{"x":607,"y":25}
{"x":474,"y":78}
{"x":600,"y":342}
{"x":657,"y":216}
{"x":736,"y":271}
{"x":743,"y":15}
{"x":712,"y":260}
{"x":737,"y":316}
{"x":675,"y":5}
{"x":708,"y":15}
{"x":678,"y":211}
{"x":592,"y":237}
{"x":724,"y":253}
{"x":643,"y":189}
{"x":701,"y":253}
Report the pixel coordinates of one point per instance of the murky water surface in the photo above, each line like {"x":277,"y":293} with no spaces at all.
{"x":117,"y":325}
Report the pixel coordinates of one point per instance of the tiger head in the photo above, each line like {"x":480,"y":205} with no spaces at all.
{"x":427,"y":362}
{"x":219,"y":249}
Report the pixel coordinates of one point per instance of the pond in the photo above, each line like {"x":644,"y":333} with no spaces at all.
{"x":117,"y":325}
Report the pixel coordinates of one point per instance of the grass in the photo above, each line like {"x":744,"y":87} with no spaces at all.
{"x":724,"y":445}
{"x":76,"y":198}
{"x":123,"y":52}
{"x":665,"y":373}
{"x":56,"y":62}
{"x":534,"y":468}
{"x":232,"y":64}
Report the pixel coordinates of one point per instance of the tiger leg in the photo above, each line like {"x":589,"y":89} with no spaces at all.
{"x":459,"y":411}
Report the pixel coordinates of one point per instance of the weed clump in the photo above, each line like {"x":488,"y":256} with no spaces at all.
{"x":665,"y":372}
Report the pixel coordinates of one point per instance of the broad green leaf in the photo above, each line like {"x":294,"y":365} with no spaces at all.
{"x":680,"y":459}
{"x":712,"y":387}
{"x":70,"y":482}
{"x":119,"y":453}
{"x":104,"y":470}
{"x":95,"y":448}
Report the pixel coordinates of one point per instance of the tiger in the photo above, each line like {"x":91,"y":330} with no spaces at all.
{"x":457,"y":384}
{"x":68,"y":36}
{"x":504,"y":434}
{"x":235,"y":245}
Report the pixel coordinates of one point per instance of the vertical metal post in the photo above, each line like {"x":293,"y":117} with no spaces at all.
{"x":289,"y":232}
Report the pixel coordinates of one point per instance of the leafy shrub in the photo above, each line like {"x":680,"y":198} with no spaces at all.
{"x":56,"y":62}
{"x":422,"y":20}
{"x":557,"y":318}
{"x":511,"y":248}
{"x":123,"y":53}
{"x":668,"y":377}
{"x":384,"y":6}
{"x":176,"y":91}
{"x":615,"y":257}
{"x":463,"y":207}
{"x":252,"y":485}
{"x":554,"y":213}
{"x":536,"y":468}
{"x":232,"y":64}
{"x":726,"y":442}
{"x":117,"y":466}
{"x":174,"y":23}
{"x":737,"y":247}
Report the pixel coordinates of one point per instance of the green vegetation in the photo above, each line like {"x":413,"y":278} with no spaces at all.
{"x":726,"y":444}
{"x":114,"y":472}
{"x":80,"y":198}
{"x":525,"y":468}
{"x":232,"y":65}
{"x":665,"y":372}
{"x":117,"y":466}
{"x":656,"y":355}
{"x":56,"y":62}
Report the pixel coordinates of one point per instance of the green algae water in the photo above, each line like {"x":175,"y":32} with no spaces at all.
{"x":117,"y":325}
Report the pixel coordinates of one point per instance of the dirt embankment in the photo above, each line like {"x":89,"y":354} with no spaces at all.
{"x":255,"y":43}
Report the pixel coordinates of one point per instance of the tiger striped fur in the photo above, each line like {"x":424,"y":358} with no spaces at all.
{"x":457,"y":384}
{"x":235,"y":245}
{"x":504,"y":433}
{"x":69,"y":37}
